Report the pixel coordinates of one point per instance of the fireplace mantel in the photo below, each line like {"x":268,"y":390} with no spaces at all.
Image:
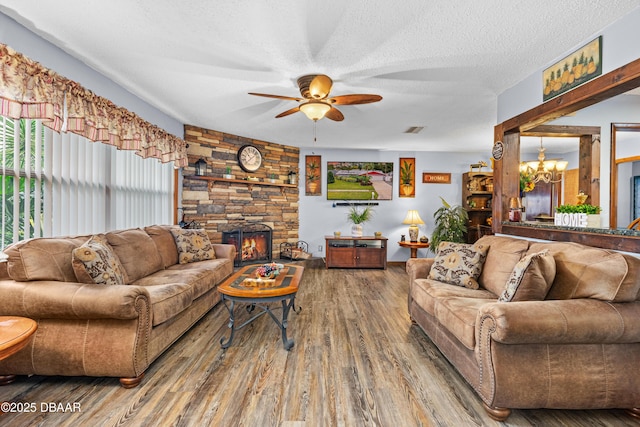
{"x":248,"y":183}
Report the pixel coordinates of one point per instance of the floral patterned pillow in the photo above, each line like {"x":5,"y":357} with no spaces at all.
{"x":531,"y":278}
{"x":95,"y":262}
{"x":193,"y":245}
{"x":459,"y":264}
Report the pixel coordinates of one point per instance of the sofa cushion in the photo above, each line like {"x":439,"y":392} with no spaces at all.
{"x":504,"y":253}
{"x":458,"y":316}
{"x":166,"y":244}
{"x":193,"y":245}
{"x":201,"y":276}
{"x":531,"y":278}
{"x":459,"y":264}
{"x":169,"y":300}
{"x":95,"y":262}
{"x":587,"y":272}
{"x":43,"y":259}
{"x":137,"y":253}
{"x":429,"y":293}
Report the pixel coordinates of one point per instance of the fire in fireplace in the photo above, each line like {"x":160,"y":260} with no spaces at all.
{"x":252,"y":242}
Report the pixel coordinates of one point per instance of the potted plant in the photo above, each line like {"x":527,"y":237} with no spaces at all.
{"x":358,"y":217}
{"x":272,"y":178}
{"x":406,"y":178}
{"x":581,"y":215}
{"x":451,"y":225}
{"x":227,"y":173}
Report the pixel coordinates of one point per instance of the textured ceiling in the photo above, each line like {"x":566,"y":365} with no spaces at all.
{"x":438,"y":64}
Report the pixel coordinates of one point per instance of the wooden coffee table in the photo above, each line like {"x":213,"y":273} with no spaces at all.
{"x":236,"y":290}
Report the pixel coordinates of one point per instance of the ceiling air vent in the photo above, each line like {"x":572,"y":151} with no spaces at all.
{"x":414,"y":129}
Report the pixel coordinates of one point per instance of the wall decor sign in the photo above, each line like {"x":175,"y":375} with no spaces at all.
{"x":407,"y":177}
{"x":313,"y":173}
{"x":581,"y":66}
{"x":497,"y":151}
{"x":436,"y":178}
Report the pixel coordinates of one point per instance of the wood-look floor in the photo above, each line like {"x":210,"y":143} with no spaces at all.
{"x":357,"y":361}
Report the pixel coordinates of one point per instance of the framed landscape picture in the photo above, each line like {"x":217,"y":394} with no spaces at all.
{"x":359,"y":180}
{"x":581,"y":66}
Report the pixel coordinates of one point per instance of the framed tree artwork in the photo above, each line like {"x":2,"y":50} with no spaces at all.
{"x":313,"y":174}
{"x":407,"y":177}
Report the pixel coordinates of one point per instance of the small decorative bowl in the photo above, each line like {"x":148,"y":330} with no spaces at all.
{"x":269,"y":271}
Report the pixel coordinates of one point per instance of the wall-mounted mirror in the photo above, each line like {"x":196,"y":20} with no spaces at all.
{"x":625,"y":174}
{"x":611,"y":98}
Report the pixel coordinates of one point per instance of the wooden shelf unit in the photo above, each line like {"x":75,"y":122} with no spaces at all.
{"x":356,"y":252}
{"x":477,"y":189}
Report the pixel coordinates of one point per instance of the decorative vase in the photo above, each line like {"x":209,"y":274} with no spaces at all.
{"x":407,"y":189}
{"x":356,"y":230}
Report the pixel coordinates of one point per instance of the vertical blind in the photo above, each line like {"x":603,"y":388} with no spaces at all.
{"x":58,"y":184}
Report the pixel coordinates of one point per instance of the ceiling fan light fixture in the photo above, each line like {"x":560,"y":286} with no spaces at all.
{"x":315,"y":110}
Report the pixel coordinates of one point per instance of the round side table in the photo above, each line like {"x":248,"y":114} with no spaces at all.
{"x":14,"y":334}
{"x":414,"y":246}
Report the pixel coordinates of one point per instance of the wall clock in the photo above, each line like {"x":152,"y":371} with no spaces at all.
{"x":249,"y":158}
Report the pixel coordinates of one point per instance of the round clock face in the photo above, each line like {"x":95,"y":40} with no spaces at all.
{"x":498,"y":150}
{"x":249,"y":158}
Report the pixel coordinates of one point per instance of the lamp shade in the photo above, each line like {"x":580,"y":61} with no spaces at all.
{"x":315,"y":110}
{"x":413,"y":217}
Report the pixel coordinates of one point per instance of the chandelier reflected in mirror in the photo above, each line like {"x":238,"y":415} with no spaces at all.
{"x":544,"y":170}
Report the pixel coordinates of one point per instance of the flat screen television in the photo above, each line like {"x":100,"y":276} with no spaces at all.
{"x":359,"y":180}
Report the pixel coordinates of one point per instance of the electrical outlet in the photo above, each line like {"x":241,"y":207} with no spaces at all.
{"x":319,"y":248}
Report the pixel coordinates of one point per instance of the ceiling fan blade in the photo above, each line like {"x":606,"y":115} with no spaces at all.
{"x":288,"y":112}
{"x":267,"y":95}
{"x":355,"y":99}
{"x":335,"y":115}
{"x":320,"y":86}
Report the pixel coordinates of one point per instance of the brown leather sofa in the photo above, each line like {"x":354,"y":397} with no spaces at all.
{"x":99,"y":330}
{"x":576,"y":348}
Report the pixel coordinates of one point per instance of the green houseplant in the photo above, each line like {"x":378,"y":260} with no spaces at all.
{"x":451,"y":225}
{"x":358,"y":217}
{"x":586,"y":209}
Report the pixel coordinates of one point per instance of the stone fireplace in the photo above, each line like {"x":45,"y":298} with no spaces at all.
{"x":253,"y":243}
{"x":222,"y":205}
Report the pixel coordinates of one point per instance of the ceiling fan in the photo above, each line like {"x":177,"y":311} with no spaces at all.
{"x":316,"y":103}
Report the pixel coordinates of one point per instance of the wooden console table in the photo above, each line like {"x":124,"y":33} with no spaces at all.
{"x":356,"y":252}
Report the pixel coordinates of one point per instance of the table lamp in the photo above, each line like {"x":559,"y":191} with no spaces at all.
{"x":413,"y":218}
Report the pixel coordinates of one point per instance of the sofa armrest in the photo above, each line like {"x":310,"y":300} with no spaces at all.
{"x":418,"y":268}
{"x":223,"y":250}
{"x":575,"y":321}
{"x":67,"y":300}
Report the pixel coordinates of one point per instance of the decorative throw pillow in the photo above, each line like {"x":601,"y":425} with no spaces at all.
{"x":531,"y":278}
{"x":459,"y":264}
{"x":95,"y":262}
{"x":193,"y":245}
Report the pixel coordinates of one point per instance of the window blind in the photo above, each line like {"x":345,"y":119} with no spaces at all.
{"x":58,"y":184}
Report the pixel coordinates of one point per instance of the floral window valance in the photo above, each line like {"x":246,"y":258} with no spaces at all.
{"x":29,"y":90}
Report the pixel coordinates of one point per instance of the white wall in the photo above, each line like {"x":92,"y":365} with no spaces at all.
{"x":619,"y":47}
{"x":318,"y":217}
{"x":34,"y":47}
